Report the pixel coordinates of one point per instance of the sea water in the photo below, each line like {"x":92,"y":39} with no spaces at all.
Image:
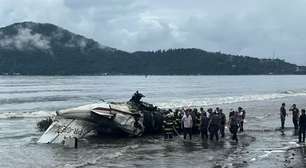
{"x":25,"y":100}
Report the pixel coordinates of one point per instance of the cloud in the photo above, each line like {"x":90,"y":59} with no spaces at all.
{"x":258,"y":28}
{"x":24,"y":40}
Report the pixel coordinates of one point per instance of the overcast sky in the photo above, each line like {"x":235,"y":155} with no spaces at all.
{"x":258,"y":28}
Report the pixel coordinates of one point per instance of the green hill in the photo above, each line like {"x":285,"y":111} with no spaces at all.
{"x":44,"y":49}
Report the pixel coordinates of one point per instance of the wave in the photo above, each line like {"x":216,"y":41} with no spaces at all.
{"x":20,"y":115}
{"x":176,"y":103}
{"x":293,"y":92}
{"x":37,"y":99}
{"x":38,"y":91}
{"x":226,"y":100}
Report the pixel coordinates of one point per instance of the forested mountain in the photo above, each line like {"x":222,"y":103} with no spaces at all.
{"x":29,"y":48}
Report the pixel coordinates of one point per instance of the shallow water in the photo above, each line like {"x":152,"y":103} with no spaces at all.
{"x":24,"y":100}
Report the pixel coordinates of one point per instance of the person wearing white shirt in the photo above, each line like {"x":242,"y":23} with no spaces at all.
{"x":187,"y":124}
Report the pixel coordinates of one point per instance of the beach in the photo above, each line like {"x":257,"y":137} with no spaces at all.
{"x":27,"y":100}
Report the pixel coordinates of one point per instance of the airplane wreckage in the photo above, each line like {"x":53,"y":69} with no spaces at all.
{"x":132,"y":118}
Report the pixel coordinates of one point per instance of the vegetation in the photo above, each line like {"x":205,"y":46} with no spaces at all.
{"x":44,"y":49}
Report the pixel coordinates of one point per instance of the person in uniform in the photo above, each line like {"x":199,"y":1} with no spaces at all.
{"x":168,"y":125}
{"x":193,"y":113}
{"x":222,"y":123}
{"x":209,"y":112}
{"x":302,"y":124}
{"x":283,"y":115}
{"x":202,"y":111}
{"x":198,"y":121}
{"x":136,"y":97}
{"x":295,"y":116}
{"x":231,"y":113}
{"x":214,"y":125}
{"x":177,"y":121}
{"x":204,"y":125}
{"x":234,"y":125}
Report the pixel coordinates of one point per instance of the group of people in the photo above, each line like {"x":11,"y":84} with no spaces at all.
{"x":210,"y":124}
{"x":299,"y":120}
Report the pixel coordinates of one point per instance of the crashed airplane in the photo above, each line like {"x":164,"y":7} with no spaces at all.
{"x":132,"y":118}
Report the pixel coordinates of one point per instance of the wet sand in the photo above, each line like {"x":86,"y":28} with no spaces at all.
{"x":255,"y":149}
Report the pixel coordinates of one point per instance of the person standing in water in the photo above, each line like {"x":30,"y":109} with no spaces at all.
{"x":187,"y":124}
{"x":204,"y":125}
{"x":302,"y":124}
{"x":222,"y":123}
{"x":234,"y":124}
{"x":209,"y":112}
{"x":295,"y":116}
{"x":202,"y":111}
{"x":168,"y":125}
{"x":214,"y":125}
{"x":241,"y":112}
{"x":283,"y":115}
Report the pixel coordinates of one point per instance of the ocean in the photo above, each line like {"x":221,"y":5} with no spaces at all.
{"x":25,"y":100}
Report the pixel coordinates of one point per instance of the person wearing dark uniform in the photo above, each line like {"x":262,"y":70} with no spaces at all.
{"x":231,"y":113}
{"x":202,"y":111}
{"x":168,"y":125}
{"x":177,"y":121}
{"x":222,"y":123}
{"x":214,"y":125}
{"x":217,"y":110}
{"x":209,"y":112}
{"x":302,"y":124}
{"x":195,"y":120}
{"x":204,"y":125}
{"x":198,"y":120}
{"x":136,"y":97}
{"x":295,"y":116}
{"x":234,"y":125}
{"x":283,"y":115}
